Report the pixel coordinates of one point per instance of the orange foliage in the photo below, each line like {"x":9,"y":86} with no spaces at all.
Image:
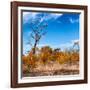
{"x":75,"y":57}
{"x":47,"y":55}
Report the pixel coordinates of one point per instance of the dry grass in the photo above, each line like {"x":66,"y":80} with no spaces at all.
{"x":50,"y":62}
{"x":55,"y":69}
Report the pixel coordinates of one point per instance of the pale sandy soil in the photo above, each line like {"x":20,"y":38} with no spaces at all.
{"x":54,"y":69}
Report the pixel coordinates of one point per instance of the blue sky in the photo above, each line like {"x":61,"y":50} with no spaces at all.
{"x":62,"y":30}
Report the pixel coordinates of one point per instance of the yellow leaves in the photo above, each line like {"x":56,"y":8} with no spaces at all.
{"x":44,"y":57}
{"x":75,"y":57}
{"x":25,"y":59}
{"x":29,"y":62}
{"x":62,"y":58}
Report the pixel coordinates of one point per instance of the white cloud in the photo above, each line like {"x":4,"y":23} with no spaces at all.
{"x":55,"y":16}
{"x":29,"y":16}
{"x":33,"y":15}
{"x":68,"y":44}
{"x":73,"y":20}
{"x":75,"y":41}
{"x":52,"y":16}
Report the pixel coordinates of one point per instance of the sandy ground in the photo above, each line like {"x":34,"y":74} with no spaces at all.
{"x":54,"y":69}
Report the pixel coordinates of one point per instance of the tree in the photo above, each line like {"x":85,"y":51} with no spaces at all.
{"x":57,"y":50}
{"x":37,"y":28}
{"x":46,"y":53}
{"x":76,"y":46}
{"x":46,"y":49}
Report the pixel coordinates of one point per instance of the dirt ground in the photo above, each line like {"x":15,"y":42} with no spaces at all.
{"x":54,"y":69}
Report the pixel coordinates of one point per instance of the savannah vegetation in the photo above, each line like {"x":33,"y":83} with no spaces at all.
{"x":46,"y":60}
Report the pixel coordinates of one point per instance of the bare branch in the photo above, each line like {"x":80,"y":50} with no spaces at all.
{"x":37,"y":32}
{"x":32,"y":36}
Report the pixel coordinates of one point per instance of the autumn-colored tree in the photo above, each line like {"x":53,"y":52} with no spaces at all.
{"x":25,"y":64}
{"x":75,"y":57}
{"x":46,"y":49}
{"x":25,"y":60}
{"x":46,"y":52}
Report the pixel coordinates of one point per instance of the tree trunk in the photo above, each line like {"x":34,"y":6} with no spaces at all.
{"x":34,"y":48}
